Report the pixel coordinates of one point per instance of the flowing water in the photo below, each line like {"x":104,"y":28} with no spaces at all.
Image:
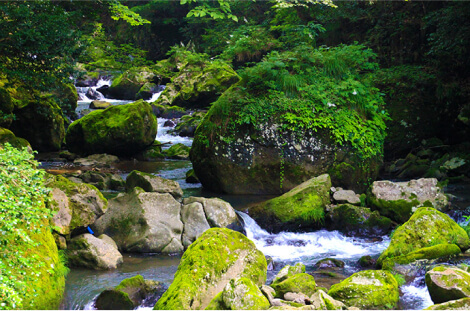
{"x":83,"y":286}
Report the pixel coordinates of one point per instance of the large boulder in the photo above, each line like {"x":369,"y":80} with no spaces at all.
{"x":288,"y":271}
{"x":398,"y":200}
{"x":239,"y":294}
{"x":7,"y":136}
{"x":152,"y":183}
{"x":143,"y":222}
{"x":426,"y":228}
{"x":198,"y":85}
{"x":76,"y":205}
{"x":298,"y":283}
{"x":358,"y":220}
{"x":195,"y":222}
{"x":128,"y":84}
{"x":447,"y":283}
{"x":40,"y":121}
{"x":460,"y":304}
{"x":300,"y":208}
{"x":129,"y":294}
{"x":218,"y":213}
{"x":119,"y":130}
{"x":369,"y":289}
{"x":91,"y":252}
{"x":208,"y":265}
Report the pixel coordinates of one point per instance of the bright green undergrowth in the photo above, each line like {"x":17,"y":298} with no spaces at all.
{"x":25,"y":234}
{"x":322,"y":89}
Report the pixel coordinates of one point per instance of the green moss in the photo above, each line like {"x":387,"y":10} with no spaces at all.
{"x":398,"y":210}
{"x":298,"y":283}
{"x":243,"y":294}
{"x":217,"y":303}
{"x":7,"y":136}
{"x":459,"y":304}
{"x":135,"y":281}
{"x":177,"y":151}
{"x":216,"y":252}
{"x":426,"y":227}
{"x":369,"y":289}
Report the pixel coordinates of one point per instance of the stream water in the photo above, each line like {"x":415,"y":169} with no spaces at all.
{"x":83,"y":286}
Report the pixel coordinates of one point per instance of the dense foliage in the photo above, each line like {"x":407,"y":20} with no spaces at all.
{"x":24,"y":214}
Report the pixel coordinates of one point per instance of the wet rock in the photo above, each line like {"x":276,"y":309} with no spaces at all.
{"x":120,"y":130}
{"x":356,"y":220}
{"x":97,"y":160}
{"x":369,"y":289}
{"x":218,"y":213}
{"x":346,"y":196}
{"x":447,"y":283}
{"x":298,"y":283}
{"x":69,"y":156}
{"x":399,"y":200}
{"x":129,"y":294}
{"x":76,"y":205}
{"x":270,"y":262}
{"x":93,"y":94}
{"x":428,"y":234}
{"x":367,"y":261}
{"x":152,"y":183}
{"x":329,"y":263}
{"x":189,"y":123}
{"x":302,"y":207}
{"x":169,"y":123}
{"x":288,"y":271}
{"x":191,"y":177}
{"x":322,"y":301}
{"x":153,"y":153}
{"x":99,"y":104}
{"x":460,"y":304}
{"x":90,"y":252}
{"x":103,"y":181}
{"x":128,"y":84}
{"x":178,"y":151}
{"x":143,"y":222}
{"x":216,"y":257}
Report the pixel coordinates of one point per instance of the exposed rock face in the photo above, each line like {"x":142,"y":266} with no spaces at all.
{"x":219,"y":213}
{"x":152,"y":183}
{"x":198,"y":86}
{"x":358,"y":220}
{"x":90,"y":252}
{"x":302,"y":207}
{"x":369,"y":289}
{"x":448,"y":283}
{"x":399,"y":200}
{"x":129,"y":294}
{"x":346,"y":196}
{"x":420,"y":238}
{"x":77,"y":205}
{"x":208,"y":265}
{"x":119,"y":130}
{"x":140,"y":221}
{"x":41,"y":123}
{"x":195,"y":222}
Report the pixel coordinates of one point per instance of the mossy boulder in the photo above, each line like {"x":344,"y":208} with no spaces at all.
{"x":119,"y":130}
{"x":99,"y":104}
{"x":76,"y":205}
{"x":177,"y":151}
{"x":240,"y":294}
{"x":102,"y":180}
{"x":128,"y":295}
{"x":369,"y":289}
{"x":128,"y":84}
{"x":152,"y":154}
{"x":91,"y":252}
{"x":208,"y":265}
{"x":288,"y":271}
{"x":143,"y":222}
{"x":447,"y":283}
{"x":189,"y":123}
{"x":322,"y":301}
{"x":399,"y":200}
{"x":358,"y":220}
{"x":459,"y":304}
{"x":7,"y":136}
{"x":298,"y":283}
{"x":301,"y":208}
{"x":152,"y":183}
{"x":40,"y":121}
{"x":197,"y":85}
{"x":427,"y":227}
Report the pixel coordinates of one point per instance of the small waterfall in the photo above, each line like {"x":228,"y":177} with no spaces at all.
{"x":156,"y":95}
{"x":311,"y":246}
{"x":85,"y":92}
{"x":163,"y":135}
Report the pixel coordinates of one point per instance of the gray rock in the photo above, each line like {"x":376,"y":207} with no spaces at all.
{"x":346,"y":196}
{"x":322,"y":301}
{"x":296,"y":297}
{"x":460,"y":304}
{"x":268,"y":292}
{"x":219,"y":213}
{"x":448,"y":283}
{"x":103,"y":181}
{"x":195,"y":222}
{"x":152,"y":183}
{"x":98,"y":160}
{"x":144,"y":222}
{"x":90,"y":252}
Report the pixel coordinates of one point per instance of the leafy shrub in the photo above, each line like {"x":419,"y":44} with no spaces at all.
{"x":22,"y":197}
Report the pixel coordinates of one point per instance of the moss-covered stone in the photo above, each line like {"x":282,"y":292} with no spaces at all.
{"x":432,"y":252}
{"x":119,"y":130}
{"x":177,"y":151}
{"x":358,"y":220}
{"x":301,"y":208}
{"x":447,"y":283}
{"x":460,"y":304}
{"x":189,"y":123}
{"x":242,"y":294}
{"x":129,"y":83}
{"x":99,"y":104}
{"x":298,"y":283}
{"x":427,"y":227}
{"x":152,"y":183}
{"x":288,"y":271}
{"x":7,"y":136}
{"x":40,"y":121}
{"x":369,"y":289}
{"x":206,"y":267}
{"x":198,"y":85}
